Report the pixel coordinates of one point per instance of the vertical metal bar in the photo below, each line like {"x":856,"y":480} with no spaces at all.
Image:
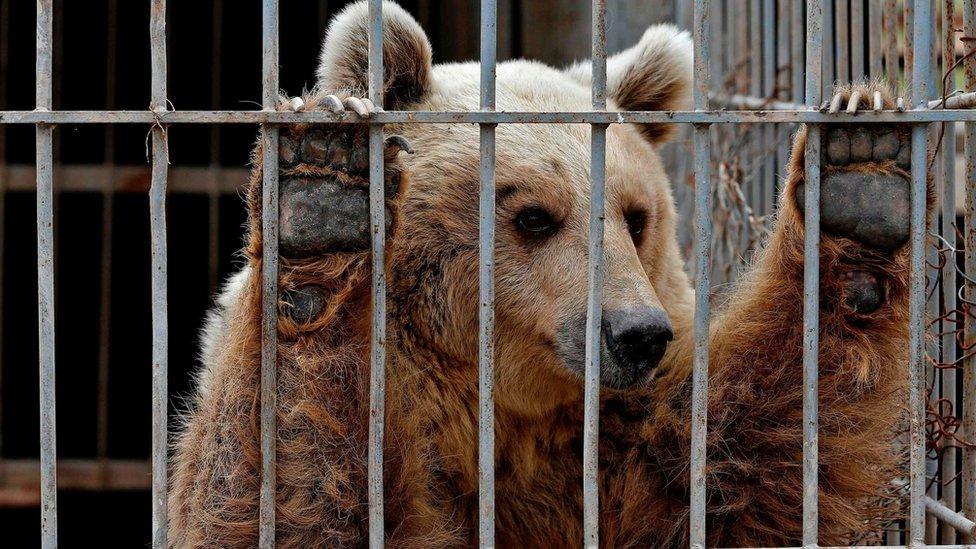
{"x":4,"y":64}
{"x":269,"y":277}
{"x":811,"y":278}
{"x":703,"y":240}
{"x":968,"y":410}
{"x":949,"y":464}
{"x":377,"y":374}
{"x":781,"y":85}
{"x":920,"y":79}
{"x":157,"y":225}
{"x":874,"y":38}
{"x":857,"y":40}
{"x":797,"y":52}
{"x":933,"y":381}
{"x":213,"y":196}
{"x":909,"y":51}
{"x":595,"y":267}
{"x":827,"y":43}
{"x":108,"y":209}
{"x":768,"y":90}
{"x":45,"y":279}
{"x":890,"y":19}
{"x":486,"y":343}
{"x":843,"y":46}
{"x":753,"y":50}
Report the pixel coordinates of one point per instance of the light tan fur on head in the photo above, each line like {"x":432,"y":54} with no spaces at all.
{"x":652,"y":75}
{"x":344,"y":62}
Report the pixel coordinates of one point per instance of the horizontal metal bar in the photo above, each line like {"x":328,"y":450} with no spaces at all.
{"x":101,"y":178}
{"x":78,"y":474}
{"x":950,"y":517}
{"x":478,"y":117}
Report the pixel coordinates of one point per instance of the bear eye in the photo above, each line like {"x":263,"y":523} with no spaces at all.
{"x":535,"y":222}
{"x":635,"y":225}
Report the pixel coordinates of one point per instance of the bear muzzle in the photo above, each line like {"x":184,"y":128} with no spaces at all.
{"x":634,"y":340}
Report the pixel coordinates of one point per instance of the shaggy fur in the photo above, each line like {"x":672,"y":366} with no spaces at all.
{"x":755,"y":400}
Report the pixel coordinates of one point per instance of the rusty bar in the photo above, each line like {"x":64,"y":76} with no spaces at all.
{"x":157,"y":226}
{"x":486,"y":341}
{"x":45,"y":279}
{"x":377,"y":372}
{"x":595,"y":271}
{"x":269,"y":277}
{"x":968,"y":410}
{"x":703,"y":238}
{"x":949,"y":466}
{"x":811,"y":276}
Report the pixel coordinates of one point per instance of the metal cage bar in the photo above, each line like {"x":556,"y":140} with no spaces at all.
{"x":595,"y":276}
{"x":703,"y":237}
{"x":922,"y":41}
{"x":157,"y":225}
{"x":377,"y":372}
{"x":486,"y":342}
{"x":45,"y":278}
{"x":969,"y":364}
{"x":949,"y":464}
{"x":811,"y":276}
{"x":269,"y":276}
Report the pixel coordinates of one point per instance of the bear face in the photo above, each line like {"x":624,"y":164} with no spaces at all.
{"x":542,"y":211}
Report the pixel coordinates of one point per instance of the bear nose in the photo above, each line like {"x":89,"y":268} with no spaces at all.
{"x":637,"y":337}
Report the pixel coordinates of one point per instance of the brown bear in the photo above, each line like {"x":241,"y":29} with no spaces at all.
{"x":431,"y":478}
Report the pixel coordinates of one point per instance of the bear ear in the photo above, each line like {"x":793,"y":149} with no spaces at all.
{"x":407,"y":58}
{"x":653,"y":75}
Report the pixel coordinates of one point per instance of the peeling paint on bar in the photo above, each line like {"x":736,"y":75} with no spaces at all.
{"x":595,"y":271}
{"x":160,"y":305}
{"x":811,"y":278}
{"x":377,"y":361}
{"x":703,"y":237}
{"x":949,"y":463}
{"x":968,"y":414}
{"x":486,"y":341}
{"x":269,"y":277}
{"x":45,"y":281}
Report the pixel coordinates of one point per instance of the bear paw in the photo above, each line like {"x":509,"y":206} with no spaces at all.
{"x":324,"y":182}
{"x":865,"y":177}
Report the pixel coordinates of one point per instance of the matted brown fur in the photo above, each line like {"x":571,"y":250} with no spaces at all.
{"x":755,"y":400}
